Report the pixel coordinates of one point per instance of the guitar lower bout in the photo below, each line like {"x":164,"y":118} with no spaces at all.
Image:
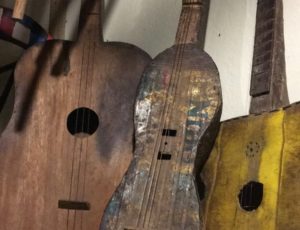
{"x":178,"y":107}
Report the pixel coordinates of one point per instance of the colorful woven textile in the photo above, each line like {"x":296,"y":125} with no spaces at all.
{"x":23,"y":33}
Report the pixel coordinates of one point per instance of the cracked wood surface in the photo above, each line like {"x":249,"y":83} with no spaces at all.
{"x":177,"y":116}
{"x":268,"y":80}
{"x":230,"y":167}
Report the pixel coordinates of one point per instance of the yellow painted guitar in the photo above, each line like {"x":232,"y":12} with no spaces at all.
{"x":252,"y":176}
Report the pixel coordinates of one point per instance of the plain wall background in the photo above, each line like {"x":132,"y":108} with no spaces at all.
{"x":152,"y":25}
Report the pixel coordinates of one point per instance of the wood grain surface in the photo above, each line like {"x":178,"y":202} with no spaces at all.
{"x":19,"y":9}
{"x":254,"y":159}
{"x":40,"y":161}
{"x":268,"y":80}
{"x":274,"y":163}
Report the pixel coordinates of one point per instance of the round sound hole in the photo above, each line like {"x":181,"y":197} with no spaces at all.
{"x":82,"y":122}
{"x":251,"y":195}
{"x":252,"y":149}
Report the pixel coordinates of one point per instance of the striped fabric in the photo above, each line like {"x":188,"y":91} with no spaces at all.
{"x":23,"y":33}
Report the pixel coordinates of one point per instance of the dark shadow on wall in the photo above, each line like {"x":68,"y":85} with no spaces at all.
{"x":6,"y":94}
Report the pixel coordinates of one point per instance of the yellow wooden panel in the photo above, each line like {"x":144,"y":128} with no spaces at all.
{"x":289,"y":193}
{"x":231,"y":167}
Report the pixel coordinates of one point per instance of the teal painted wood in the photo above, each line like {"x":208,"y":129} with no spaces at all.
{"x":180,"y":90}
{"x":177,"y":115}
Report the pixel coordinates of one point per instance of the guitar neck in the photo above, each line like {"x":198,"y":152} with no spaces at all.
{"x":192,"y":22}
{"x":90,"y":18}
{"x":268,"y":80}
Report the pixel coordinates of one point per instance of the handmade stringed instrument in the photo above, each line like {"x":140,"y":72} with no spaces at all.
{"x":252,"y":176}
{"x":176,"y":121}
{"x":10,"y":31}
{"x":69,"y":140}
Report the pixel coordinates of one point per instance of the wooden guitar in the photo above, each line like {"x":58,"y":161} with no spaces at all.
{"x":69,"y":140}
{"x":176,"y":121}
{"x":252,"y":177}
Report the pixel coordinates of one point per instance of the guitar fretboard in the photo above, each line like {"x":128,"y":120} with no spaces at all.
{"x":268,"y":81}
{"x":192,"y":22}
{"x":193,"y":2}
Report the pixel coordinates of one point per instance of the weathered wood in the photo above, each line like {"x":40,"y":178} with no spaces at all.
{"x":41,"y":163}
{"x":288,"y":204}
{"x":178,"y":107}
{"x":268,"y":81}
{"x":195,"y":13}
{"x":19,"y":9}
{"x":249,"y":175}
{"x":236,"y":160}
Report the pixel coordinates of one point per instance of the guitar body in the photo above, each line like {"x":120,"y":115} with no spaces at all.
{"x":263,"y":149}
{"x":50,"y":178}
{"x":252,"y":175}
{"x":178,"y":107}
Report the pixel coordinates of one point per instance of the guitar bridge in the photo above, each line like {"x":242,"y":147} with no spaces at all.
{"x":73,"y":205}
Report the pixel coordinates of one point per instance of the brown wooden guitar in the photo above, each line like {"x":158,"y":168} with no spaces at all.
{"x":176,"y":121}
{"x":252,"y":176}
{"x":69,"y":140}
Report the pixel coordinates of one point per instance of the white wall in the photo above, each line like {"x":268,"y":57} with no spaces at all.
{"x":292,"y":47}
{"x":151,"y":25}
{"x":229,"y":40}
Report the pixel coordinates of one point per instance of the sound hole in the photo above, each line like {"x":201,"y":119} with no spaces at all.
{"x":252,"y":149}
{"x":251,"y":195}
{"x":82,"y":122}
{"x":164,"y":156}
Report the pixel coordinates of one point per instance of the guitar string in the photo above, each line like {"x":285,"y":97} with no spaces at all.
{"x":177,"y":73}
{"x":144,"y":193}
{"x":75,"y":139}
{"x":83,"y":121}
{"x":174,"y":87}
{"x":191,"y":182}
{"x":159,"y":133}
{"x":90,"y":105}
{"x":139,"y":216}
{"x":153,"y":158}
{"x":164,"y":177}
{"x":83,"y":70}
{"x":166,"y":138}
{"x":181,"y":153}
{"x":152,"y":170}
{"x":190,"y":9}
{"x":62,"y":146}
{"x":76,"y":130}
{"x":88,"y":124}
{"x":180,"y":165}
{"x":88,"y":101}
